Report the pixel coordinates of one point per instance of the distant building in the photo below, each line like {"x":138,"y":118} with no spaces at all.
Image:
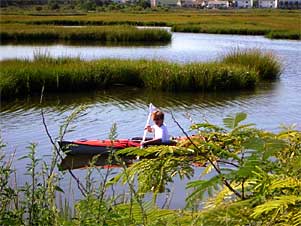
{"x":189,"y":3}
{"x":289,"y":4}
{"x":153,"y":3}
{"x":120,"y":1}
{"x":244,"y":3}
{"x":217,"y":4}
{"x":200,"y":3}
{"x":267,"y":3}
{"x":168,"y":3}
{"x":221,"y":4}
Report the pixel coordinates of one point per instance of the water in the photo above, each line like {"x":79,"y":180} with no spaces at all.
{"x":270,"y":105}
{"x":184,"y":48}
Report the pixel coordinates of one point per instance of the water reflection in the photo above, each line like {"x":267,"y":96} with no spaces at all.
{"x":84,"y":161}
{"x":131,"y":97}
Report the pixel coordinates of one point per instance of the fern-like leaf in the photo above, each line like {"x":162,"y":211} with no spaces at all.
{"x":231,"y":122}
{"x":202,"y":186}
{"x":207,"y":127}
{"x":296,"y":219}
{"x":277,"y":205}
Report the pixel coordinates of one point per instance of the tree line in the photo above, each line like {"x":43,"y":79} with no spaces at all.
{"x":20,"y":3}
{"x":81,"y":4}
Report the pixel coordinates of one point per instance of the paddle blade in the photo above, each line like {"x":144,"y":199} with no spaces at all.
{"x":151,"y":108}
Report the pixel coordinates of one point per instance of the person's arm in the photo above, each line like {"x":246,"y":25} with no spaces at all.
{"x":152,"y":142}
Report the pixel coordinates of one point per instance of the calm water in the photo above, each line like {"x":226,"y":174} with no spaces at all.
{"x":268,"y":106}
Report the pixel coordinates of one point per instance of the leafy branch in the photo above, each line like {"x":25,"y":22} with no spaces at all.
{"x":217,"y":169}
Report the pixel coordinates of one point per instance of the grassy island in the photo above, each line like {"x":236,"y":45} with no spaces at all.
{"x":238,"y":30}
{"x":237,"y":70}
{"x":127,"y":34}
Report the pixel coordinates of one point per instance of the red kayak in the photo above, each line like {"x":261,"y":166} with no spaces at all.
{"x":94,"y":147}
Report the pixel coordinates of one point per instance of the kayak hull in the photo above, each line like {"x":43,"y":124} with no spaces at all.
{"x":95,"y":147}
{"x":71,"y":148}
{"x":98,"y":147}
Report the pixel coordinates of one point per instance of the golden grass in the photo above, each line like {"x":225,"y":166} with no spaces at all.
{"x":286,"y":24}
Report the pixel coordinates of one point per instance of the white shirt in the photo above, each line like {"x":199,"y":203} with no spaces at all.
{"x":161,"y":133}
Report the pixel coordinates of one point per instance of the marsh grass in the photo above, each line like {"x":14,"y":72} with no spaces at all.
{"x":295,"y":35}
{"x":237,"y":29}
{"x":237,"y":70}
{"x":220,"y":29}
{"x":112,"y":34}
{"x":248,"y":22}
{"x":266,"y":64}
{"x":24,"y":77}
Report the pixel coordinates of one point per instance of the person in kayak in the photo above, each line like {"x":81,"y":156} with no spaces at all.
{"x":159,"y":129}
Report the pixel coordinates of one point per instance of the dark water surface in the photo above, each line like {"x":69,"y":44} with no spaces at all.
{"x":270,"y":105}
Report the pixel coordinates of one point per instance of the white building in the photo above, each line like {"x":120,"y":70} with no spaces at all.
{"x":217,"y":4}
{"x":244,"y":3}
{"x":267,"y":3}
{"x":153,"y":3}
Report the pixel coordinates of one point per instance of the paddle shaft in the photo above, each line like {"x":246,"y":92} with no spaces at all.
{"x":147,"y":122}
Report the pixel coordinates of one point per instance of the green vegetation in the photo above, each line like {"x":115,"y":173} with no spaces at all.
{"x":284,"y":35}
{"x":252,"y":178}
{"x":238,"y":29}
{"x":113,"y":34}
{"x":266,"y":65}
{"x":251,"y":22}
{"x":23,"y":77}
{"x":76,"y":5}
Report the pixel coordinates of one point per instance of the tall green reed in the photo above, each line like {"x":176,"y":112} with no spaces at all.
{"x":266,"y":64}
{"x":236,"y":70}
{"x":224,"y":29}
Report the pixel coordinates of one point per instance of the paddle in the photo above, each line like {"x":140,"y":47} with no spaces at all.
{"x":151,"y":108}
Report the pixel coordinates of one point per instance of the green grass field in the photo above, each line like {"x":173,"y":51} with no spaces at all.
{"x":281,"y":23}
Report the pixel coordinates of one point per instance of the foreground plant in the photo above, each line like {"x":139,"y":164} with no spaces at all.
{"x":252,"y":176}
{"x":33,"y":203}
